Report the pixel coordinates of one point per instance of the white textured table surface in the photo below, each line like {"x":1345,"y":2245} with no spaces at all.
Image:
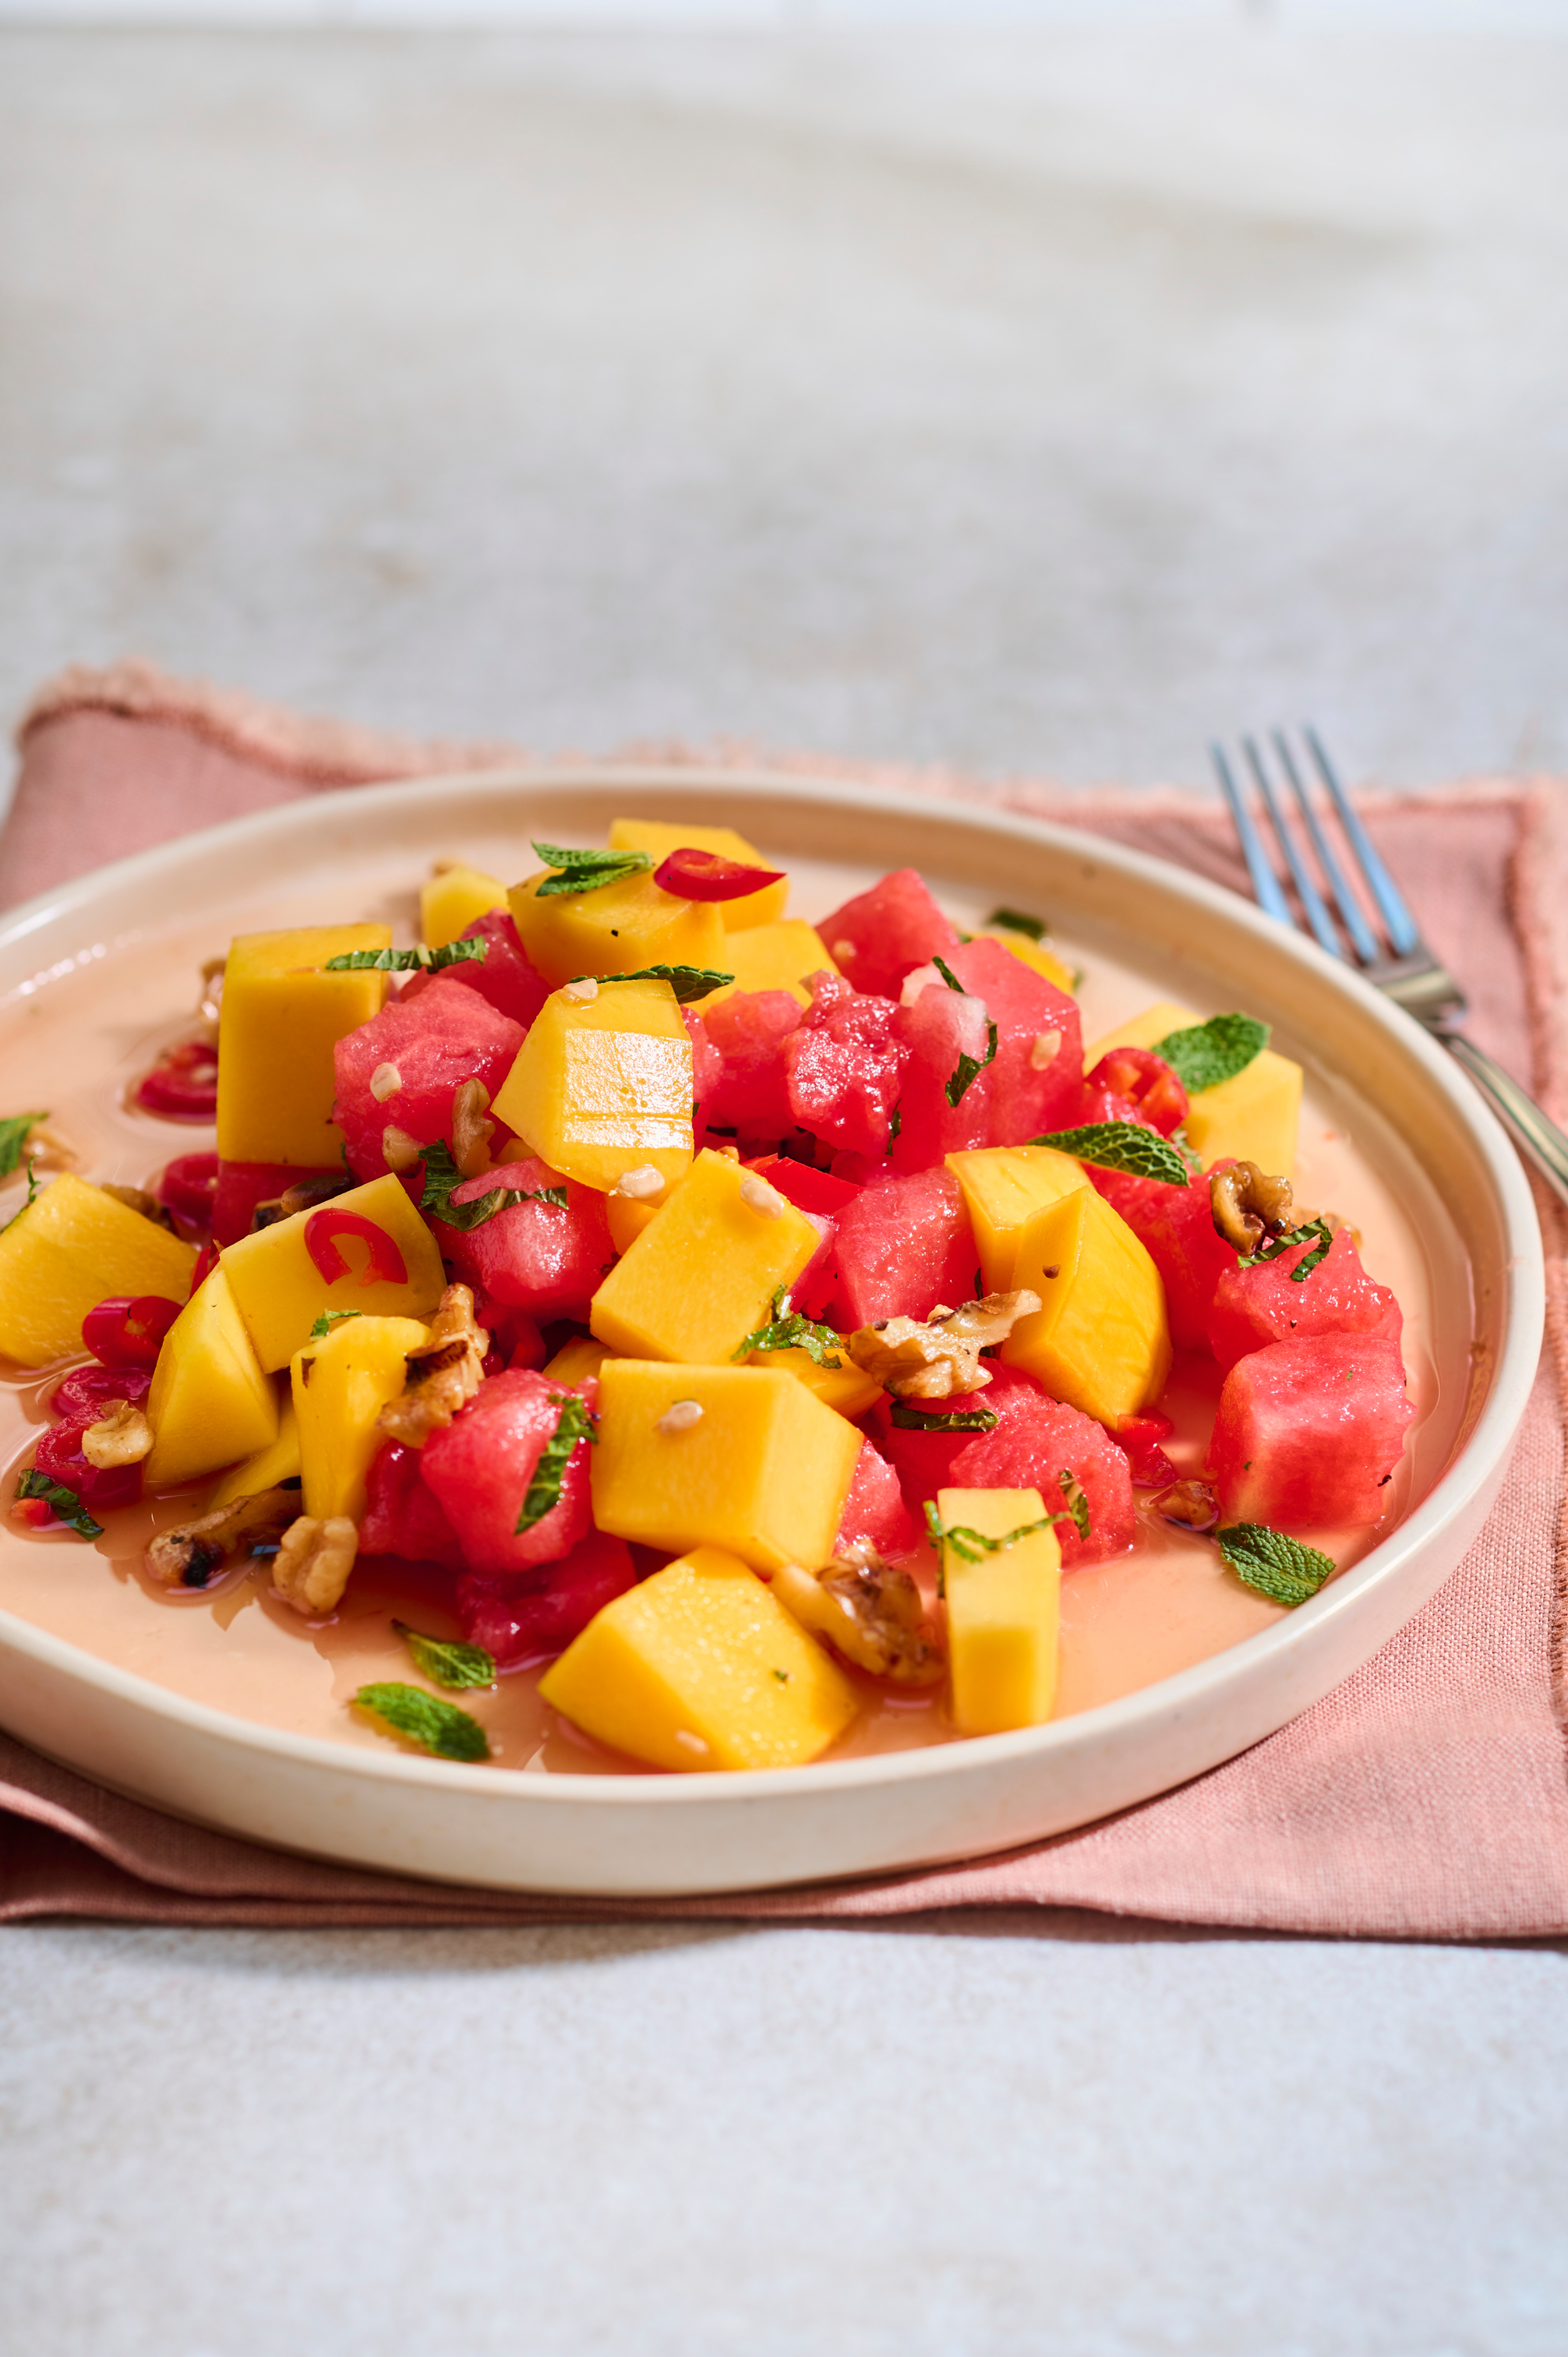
{"x":1049,"y":402}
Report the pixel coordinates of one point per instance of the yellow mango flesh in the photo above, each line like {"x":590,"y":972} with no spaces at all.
{"x":282,"y":1016}
{"x":627,"y":1216}
{"x":603,"y":1085}
{"x":773,"y":957}
{"x":1102,"y":1342}
{"x":210,"y":1401}
{"x":700,"y":1667}
{"x":659,"y":838}
{"x":1254,"y":1116}
{"x":1004,"y":1187}
{"x":615,"y":929}
{"x":763,"y":1470}
{"x":703,"y":1274}
{"x":1036,"y":954}
{"x":579,"y":1357}
{"x":846,"y":1387}
{"x":279,"y":1461}
{"x":453,"y":901}
{"x":281,"y":1293}
{"x":1003,"y":1612}
{"x":71,"y":1248}
{"x":341,"y":1385}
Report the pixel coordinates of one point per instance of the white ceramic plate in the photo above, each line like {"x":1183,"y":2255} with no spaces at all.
{"x":94,"y":975}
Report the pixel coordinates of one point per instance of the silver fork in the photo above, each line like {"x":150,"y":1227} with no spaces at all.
{"x":1402,"y":965}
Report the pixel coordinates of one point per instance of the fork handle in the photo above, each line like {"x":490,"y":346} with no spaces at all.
{"x":1534,"y":1133}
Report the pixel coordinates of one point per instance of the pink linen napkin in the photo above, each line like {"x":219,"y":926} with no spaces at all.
{"x":1426,"y":1797}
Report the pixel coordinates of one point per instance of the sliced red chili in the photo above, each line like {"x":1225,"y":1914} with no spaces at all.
{"x":189,"y":1187}
{"x":1136,"y":1077}
{"x":59,"y":1454}
{"x":79,"y":1397}
{"x":128,"y":1331}
{"x":206,"y":1261}
{"x":183,"y":1083}
{"x":694,"y":875}
{"x":322,"y":1229}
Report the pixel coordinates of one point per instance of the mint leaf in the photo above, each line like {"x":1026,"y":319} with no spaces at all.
{"x":971,"y":1546}
{"x":328,"y":1319}
{"x":788,"y":1330}
{"x":13,"y":1129}
{"x":947,"y":974}
{"x":572,"y":1425}
{"x":1277,"y":1567}
{"x":1275,"y":1248}
{"x":910,"y":1418}
{"x":446,"y":1660}
{"x":687,"y":982}
{"x":442,"y":1175}
{"x":31,"y":1196}
{"x":418,"y":959}
{"x":969,"y":1068}
{"x":1071,"y":1489}
{"x":1124,"y":1145}
{"x":585,"y":871}
{"x":66,"y":1503}
{"x":1211,"y":1052}
{"x":1015,"y":924}
{"x":425,"y":1719}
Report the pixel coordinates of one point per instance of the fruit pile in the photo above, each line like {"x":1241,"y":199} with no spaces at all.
{"x":739,"y":1313}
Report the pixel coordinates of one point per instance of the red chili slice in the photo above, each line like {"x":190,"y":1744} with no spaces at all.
{"x":183,"y":1083}
{"x":128,"y":1331}
{"x":189,"y":1186}
{"x":1136,"y":1076}
{"x":79,"y":1397}
{"x":206,"y":1261}
{"x":694,"y":875}
{"x":322,"y":1230}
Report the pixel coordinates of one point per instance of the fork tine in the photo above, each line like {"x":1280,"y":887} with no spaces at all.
{"x":1401,"y":925}
{"x":1344,"y":900}
{"x":1317,"y":916}
{"x":1266,"y":888}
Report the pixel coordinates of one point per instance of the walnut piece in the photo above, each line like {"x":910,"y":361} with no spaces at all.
{"x":314,"y":1559}
{"x":121,"y":1436}
{"x":871,"y":1611}
{"x":137,"y":1199}
{"x":188,"y":1555}
{"x":1246,"y":1205}
{"x":1194,"y":1504}
{"x":941,"y":1357}
{"x":444,"y":1376}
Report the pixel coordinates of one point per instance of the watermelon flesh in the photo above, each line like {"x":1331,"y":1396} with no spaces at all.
{"x":875,"y":939}
{"x":1035,"y":1441}
{"x":1176,"y":1227}
{"x":1309,"y":1431}
{"x":445,"y":1037}
{"x":542,"y":1258}
{"x":505,"y":975}
{"x":707,"y":1066}
{"x":875,"y":1514}
{"x":843,"y":1066}
{"x":904,"y":1245}
{"x":539,"y":1613}
{"x":750,"y":1095}
{"x":1256,"y":1306}
{"x":480,"y":1467}
{"x":1141,"y":1439}
{"x":403,"y":1514}
{"x":1025,"y":1095}
{"x":938,"y":1028}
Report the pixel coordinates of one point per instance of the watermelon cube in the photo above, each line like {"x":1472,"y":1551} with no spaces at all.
{"x":843,"y":1065}
{"x":1254,"y":1307}
{"x":506,"y":975}
{"x":1032,"y":1084}
{"x":432,"y":1044}
{"x":749,"y":1096}
{"x":482,"y":1466}
{"x":403,"y":1514}
{"x":537,"y":1613}
{"x":875,"y":1514}
{"x":878,"y":937}
{"x":937,"y":1031}
{"x":904,"y":1245}
{"x":1308,"y":1433}
{"x":547,"y":1259}
{"x":1176,"y":1227}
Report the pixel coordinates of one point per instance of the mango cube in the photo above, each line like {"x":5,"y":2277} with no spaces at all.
{"x":453,"y":901}
{"x":659,"y":837}
{"x":367,"y":1251}
{"x":615,"y":927}
{"x":1102,"y":1342}
{"x":1254,"y":1116}
{"x":703,"y":1274}
{"x":69,"y":1249}
{"x":210,"y":1401}
{"x":773,"y":957}
{"x":278,"y":1461}
{"x":1004,"y":1187}
{"x":764,"y":1470}
{"x":846,"y":1388}
{"x":627,"y":1216}
{"x":700,"y":1667}
{"x":573,"y":1359}
{"x":1003,"y":1611}
{"x":1038,"y":955}
{"x":282,"y":1016}
{"x":602,"y":1085}
{"x":341,"y":1385}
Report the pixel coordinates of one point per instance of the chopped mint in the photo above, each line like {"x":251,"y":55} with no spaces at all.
{"x":328,"y":1319}
{"x":687,"y":982}
{"x":424,"y":1718}
{"x":32,"y":1198}
{"x":66,"y":1503}
{"x":417,"y":960}
{"x":574,"y":1424}
{"x":1275,"y":1248}
{"x":585,"y":871}
{"x":446,"y":1660}
{"x":788,"y":1330}
{"x":442,"y":1175}
{"x":897,"y":1123}
{"x":971,"y":1546}
{"x":1124,"y":1145}
{"x":13,"y":1129}
{"x":1071,"y":1489}
{"x":1277,"y":1567}
{"x":1013,"y":923}
{"x":1207,"y":1053}
{"x":969,"y":1068}
{"x":947,"y":974}
{"x":911,"y":1418}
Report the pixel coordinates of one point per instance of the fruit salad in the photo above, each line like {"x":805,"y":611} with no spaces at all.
{"x":744,"y":1330}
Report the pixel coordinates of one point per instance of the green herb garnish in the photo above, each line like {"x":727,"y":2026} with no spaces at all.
{"x":585,"y":871}
{"x":1275,"y":1248}
{"x":328,"y":1319}
{"x":1277,"y":1567}
{"x":66,"y":1503}
{"x":424,"y":1718}
{"x":971,"y":1546}
{"x":446,"y":1660}
{"x":574,"y":1424}
{"x":910,"y":1418}
{"x":416,"y":960}
{"x":14,"y":1130}
{"x":32,"y":1198}
{"x":687,"y":982}
{"x":1207,"y":1053}
{"x":1123,"y":1146}
{"x":1015,"y":924}
{"x":969,"y":1068}
{"x":897,"y":1123}
{"x":442,"y":1175}
{"x":788,"y":1330}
